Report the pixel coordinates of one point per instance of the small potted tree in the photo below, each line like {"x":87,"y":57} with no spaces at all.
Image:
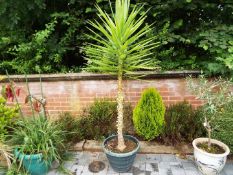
{"x":122,"y":47}
{"x":210,"y":154}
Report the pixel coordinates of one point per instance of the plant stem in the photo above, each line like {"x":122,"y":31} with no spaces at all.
{"x":42,"y":99}
{"x":120,"y":100}
{"x":30,"y":97}
{"x":209,"y":138}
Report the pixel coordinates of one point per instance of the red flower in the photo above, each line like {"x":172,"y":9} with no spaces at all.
{"x":17,"y":92}
{"x":8,"y":92}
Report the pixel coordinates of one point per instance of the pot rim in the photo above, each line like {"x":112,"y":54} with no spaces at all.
{"x":121,"y":154}
{"x":219,"y":143}
{"x":21,"y":155}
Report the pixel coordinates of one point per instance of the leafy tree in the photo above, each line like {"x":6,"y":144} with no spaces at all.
{"x":193,"y":34}
{"x":118,"y":50}
{"x":216,"y":95}
{"x":191,"y":24}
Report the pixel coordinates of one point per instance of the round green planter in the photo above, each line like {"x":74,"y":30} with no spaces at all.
{"x":121,"y":162}
{"x":34,"y":164}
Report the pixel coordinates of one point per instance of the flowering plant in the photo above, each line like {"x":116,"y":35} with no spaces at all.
{"x":11,"y":91}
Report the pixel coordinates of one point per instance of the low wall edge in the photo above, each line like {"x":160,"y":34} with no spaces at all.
{"x":97,"y":76}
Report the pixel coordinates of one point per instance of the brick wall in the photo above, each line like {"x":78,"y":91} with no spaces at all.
{"x":75,"y":92}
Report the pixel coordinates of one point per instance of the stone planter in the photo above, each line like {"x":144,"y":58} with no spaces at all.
{"x":208,"y":163}
{"x":121,"y":162}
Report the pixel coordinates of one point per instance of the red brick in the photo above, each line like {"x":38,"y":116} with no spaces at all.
{"x":176,"y":98}
{"x":53,"y":104}
{"x":190,"y":98}
{"x":134,"y":99}
{"x":165,"y":98}
{"x":166,"y":94}
{"x":196,"y":102}
{"x":163,"y":89}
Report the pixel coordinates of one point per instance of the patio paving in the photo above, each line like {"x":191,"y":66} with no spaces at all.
{"x":145,"y":164}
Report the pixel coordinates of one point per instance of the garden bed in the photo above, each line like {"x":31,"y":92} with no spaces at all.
{"x":145,"y":147}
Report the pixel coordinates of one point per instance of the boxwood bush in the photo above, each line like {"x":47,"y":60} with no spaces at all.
{"x":96,"y":122}
{"x":99,"y":119}
{"x":148,"y":115}
{"x":183,"y":123}
{"x":71,"y":125}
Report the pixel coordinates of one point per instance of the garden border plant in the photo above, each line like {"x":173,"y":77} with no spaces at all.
{"x":210,"y":154}
{"x":184,"y":114}
{"x":36,"y":141}
{"x":148,"y":115}
{"x":122,"y":48}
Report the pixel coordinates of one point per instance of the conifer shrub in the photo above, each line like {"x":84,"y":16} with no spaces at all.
{"x":148,"y":115}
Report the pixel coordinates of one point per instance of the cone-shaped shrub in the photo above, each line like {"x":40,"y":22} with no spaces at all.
{"x":148,"y":115}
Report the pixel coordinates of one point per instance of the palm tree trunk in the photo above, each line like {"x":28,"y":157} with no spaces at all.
{"x":120,"y":100}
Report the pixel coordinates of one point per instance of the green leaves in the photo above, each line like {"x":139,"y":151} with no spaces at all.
{"x":178,"y":23}
{"x":148,"y":115}
{"x":7,"y":114}
{"x":205,"y":47}
{"x":184,"y":28}
{"x":38,"y":135}
{"x":122,"y":45}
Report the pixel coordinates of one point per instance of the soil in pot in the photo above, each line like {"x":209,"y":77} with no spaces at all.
{"x":214,"y":149}
{"x":112,"y":146}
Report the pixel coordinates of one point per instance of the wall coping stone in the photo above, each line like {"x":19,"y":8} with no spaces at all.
{"x":97,"y":76}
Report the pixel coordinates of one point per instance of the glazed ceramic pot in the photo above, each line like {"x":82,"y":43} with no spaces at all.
{"x":121,"y":162}
{"x":34,"y":163}
{"x":208,"y":163}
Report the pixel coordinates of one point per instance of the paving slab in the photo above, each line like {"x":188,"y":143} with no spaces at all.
{"x":145,"y":164}
{"x":228,"y":169}
{"x":168,"y":158}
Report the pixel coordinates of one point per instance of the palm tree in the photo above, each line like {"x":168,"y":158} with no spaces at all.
{"x":122,"y":48}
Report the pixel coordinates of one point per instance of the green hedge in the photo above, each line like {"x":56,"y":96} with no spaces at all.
{"x":183,"y":123}
{"x":224,"y":126}
{"x":97,"y":121}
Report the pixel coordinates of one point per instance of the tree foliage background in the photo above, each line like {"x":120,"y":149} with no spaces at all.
{"x":48,"y":36}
